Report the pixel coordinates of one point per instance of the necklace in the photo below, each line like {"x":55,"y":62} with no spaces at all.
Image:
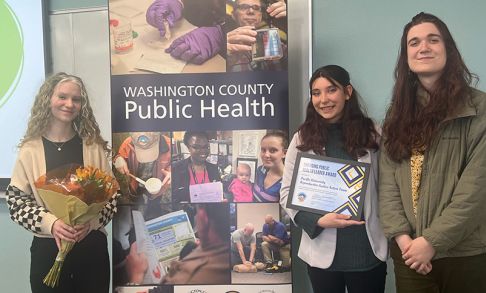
{"x":59,"y":145}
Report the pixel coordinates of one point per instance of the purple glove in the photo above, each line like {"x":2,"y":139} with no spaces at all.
{"x":160,"y":10}
{"x":198,"y":45}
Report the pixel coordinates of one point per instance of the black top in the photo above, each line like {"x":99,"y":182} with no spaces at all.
{"x":71,"y":152}
{"x":353,"y":248}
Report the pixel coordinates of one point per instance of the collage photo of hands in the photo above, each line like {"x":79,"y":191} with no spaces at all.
{"x":193,"y":36}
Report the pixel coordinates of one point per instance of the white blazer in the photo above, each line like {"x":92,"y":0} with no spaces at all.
{"x":319,"y":252}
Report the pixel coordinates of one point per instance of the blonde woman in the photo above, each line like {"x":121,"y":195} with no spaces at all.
{"x":61,"y":130}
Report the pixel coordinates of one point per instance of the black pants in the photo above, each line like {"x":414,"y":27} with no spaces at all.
{"x":372,"y":281}
{"x":449,"y":275}
{"x":86,"y":268}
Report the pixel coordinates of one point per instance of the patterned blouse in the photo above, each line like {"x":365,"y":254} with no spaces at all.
{"x":416,"y":163}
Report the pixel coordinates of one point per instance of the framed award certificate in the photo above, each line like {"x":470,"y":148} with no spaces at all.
{"x":328,"y":185}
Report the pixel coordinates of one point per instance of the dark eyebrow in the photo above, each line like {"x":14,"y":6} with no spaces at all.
{"x":428,"y":36}
{"x":434,"y":35}
{"x":412,"y":39}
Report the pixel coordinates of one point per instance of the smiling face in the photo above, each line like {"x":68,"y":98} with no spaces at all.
{"x":199,"y":149}
{"x":248,"y":12}
{"x":65,"y":102}
{"x":272,"y":152}
{"x":426,"y":52}
{"x":329,"y":99}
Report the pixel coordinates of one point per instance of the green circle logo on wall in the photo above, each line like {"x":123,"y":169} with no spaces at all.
{"x":11,"y":53}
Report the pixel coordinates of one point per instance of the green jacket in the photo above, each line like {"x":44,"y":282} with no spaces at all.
{"x":451,"y":211}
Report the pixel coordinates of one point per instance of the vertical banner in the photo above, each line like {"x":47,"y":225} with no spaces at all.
{"x":199,"y":95}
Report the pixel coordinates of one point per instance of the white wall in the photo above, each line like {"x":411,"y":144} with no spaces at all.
{"x":364,"y":37}
{"x":80,"y":46}
{"x":255,"y":214}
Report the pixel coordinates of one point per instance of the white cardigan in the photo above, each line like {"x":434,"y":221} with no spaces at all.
{"x":319,"y":252}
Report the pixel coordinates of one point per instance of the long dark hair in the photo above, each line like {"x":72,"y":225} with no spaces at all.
{"x":358,"y":129}
{"x":408,"y":125}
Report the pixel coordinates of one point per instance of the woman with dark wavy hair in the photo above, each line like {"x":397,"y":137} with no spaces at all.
{"x":433,"y":166}
{"x":340,"y":253}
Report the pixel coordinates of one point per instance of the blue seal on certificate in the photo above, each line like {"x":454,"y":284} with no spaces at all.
{"x":301,"y":196}
{"x":322,"y":185}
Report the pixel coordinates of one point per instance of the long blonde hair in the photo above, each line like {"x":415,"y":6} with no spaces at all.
{"x":85,"y":123}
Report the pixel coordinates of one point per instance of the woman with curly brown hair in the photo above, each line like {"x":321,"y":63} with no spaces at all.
{"x":61,"y":130}
{"x":433,"y":166}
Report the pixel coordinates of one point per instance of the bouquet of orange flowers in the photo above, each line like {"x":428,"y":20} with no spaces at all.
{"x":76,"y":195}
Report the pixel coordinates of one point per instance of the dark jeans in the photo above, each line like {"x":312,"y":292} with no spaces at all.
{"x":85,"y":269}
{"x":324,"y":281}
{"x":448,"y":275}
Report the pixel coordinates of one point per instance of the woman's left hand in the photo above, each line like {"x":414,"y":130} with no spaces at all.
{"x":419,"y":253}
{"x":82,"y":231}
{"x":333,"y":220}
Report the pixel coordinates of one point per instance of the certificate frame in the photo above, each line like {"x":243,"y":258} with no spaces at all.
{"x":346,"y":195}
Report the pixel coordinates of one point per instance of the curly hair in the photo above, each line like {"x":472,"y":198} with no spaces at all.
{"x":84,"y":124}
{"x":359,"y":130}
{"x":408,"y":125}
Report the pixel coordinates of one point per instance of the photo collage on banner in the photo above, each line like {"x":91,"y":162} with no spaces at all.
{"x":199,"y":97}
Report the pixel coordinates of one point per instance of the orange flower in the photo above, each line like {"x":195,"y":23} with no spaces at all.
{"x":87,"y":183}
{"x":91,"y":187}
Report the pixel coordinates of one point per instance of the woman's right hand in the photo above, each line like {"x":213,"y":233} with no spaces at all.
{"x":333,"y":220}
{"x":62,"y":231}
